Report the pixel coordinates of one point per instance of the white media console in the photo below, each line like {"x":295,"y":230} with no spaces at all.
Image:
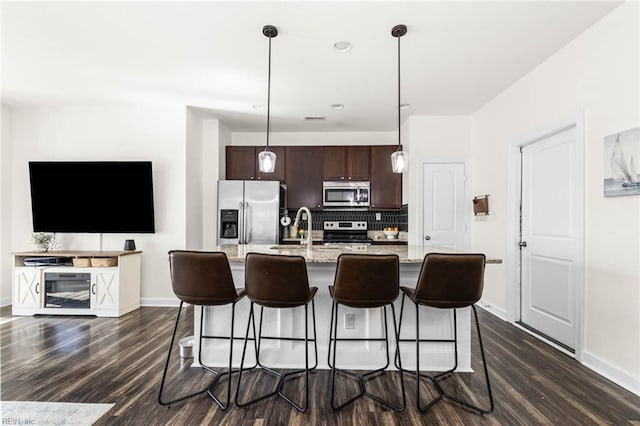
{"x":104,"y":291}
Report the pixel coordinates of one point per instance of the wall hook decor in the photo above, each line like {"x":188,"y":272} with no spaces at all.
{"x":481,"y":205}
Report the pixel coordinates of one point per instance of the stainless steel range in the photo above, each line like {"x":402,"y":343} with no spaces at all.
{"x":346,"y":232}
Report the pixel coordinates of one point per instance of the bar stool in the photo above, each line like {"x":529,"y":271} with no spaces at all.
{"x":364,"y":281}
{"x":202,"y":279}
{"x":279,"y":282}
{"x":447,"y":281}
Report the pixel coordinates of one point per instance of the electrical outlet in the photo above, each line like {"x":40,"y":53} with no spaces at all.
{"x":378,"y":216}
{"x":304,"y":216}
{"x":349,"y":321}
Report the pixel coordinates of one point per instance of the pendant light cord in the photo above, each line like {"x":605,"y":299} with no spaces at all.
{"x":399,"y":143}
{"x":268,"y":95}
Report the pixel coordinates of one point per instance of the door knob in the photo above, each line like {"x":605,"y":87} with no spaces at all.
{"x":523,"y":244}
{"x":427,"y":237}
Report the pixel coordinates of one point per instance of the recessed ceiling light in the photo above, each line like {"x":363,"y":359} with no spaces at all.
{"x":337,"y":106}
{"x":405,"y":106}
{"x":342,"y":46}
{"x":257,"y":106}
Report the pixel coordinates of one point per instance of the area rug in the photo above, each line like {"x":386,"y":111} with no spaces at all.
{"x":51,"y":413}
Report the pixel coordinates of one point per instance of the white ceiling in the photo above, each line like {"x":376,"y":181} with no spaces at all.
{"x":456,"y":56}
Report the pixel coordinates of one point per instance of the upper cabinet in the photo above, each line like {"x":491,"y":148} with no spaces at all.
{"x":386,"y":186}
{"x":304,"y":176}
{"x":304,"y":168}
{"x":242,"y":163}
{"x":345,"y":163}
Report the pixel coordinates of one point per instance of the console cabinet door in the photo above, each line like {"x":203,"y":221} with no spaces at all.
{"x":386,"y":186}
{"x":27,"y":287}
{"x":104,"y":288}
{"x":304,"y":176}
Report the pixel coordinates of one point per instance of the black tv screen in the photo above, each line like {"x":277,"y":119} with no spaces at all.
{"x":92,"y":196}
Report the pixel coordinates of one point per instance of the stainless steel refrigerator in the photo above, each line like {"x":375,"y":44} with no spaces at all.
{"x":249,"y":211}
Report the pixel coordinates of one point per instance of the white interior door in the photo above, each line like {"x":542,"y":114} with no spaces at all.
{"x":549,"y":235}
{"x":443,"y":204}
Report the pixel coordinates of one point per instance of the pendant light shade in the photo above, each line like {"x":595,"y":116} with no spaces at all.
{"x":267,"y":161}
{"x":400,"y":158}
{"x":266,"y":158}
{"x":400,"y":161}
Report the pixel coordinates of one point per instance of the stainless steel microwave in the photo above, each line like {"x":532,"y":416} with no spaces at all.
{"x":345,"y":194}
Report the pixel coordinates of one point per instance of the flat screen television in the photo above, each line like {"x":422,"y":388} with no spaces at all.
{"x":92,"y":196}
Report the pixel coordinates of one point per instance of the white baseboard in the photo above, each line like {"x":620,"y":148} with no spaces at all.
{"x":589,"y":360}
{"x":159,"y":301}
{"x":612,"y":372}
{"x":145,"y":301}
{"x":492,"y":309}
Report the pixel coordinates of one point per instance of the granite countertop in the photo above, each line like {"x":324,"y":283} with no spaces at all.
{"x":329,"y":253}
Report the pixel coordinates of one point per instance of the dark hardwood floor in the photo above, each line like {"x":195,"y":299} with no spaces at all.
{"x":120,"y":360}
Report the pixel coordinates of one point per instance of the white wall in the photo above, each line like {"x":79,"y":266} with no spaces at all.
{"x":317,"y":138}
{"x":598,"y":73}
{"x":216,"y":136}
{"x":5,"y":206}
{"x":108,"y":133}
{"x":193,"y":189}
{"x":429,"y":138}
{"x":206,"y":140}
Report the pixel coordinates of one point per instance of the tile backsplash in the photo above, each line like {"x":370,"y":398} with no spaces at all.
{"x":388,"y":218}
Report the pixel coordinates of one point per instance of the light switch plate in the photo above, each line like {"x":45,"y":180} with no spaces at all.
{"x":378,"y":216}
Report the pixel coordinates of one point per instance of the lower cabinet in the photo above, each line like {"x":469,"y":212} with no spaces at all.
{"x":104,"y":291}
{"x":104,"y":288}
{"x":27,"y":287}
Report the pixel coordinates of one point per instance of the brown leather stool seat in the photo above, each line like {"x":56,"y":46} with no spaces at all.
{"x":202,"y":279}
{"x":447,"y":281}
{"x":279,"y":282}
{"x":364,"y":281}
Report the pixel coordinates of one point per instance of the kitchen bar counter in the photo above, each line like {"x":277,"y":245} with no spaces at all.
{"x":321,"y":265}
{"x":328,"y":253}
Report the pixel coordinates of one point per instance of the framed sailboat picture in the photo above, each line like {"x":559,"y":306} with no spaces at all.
{"x":621,"y":156}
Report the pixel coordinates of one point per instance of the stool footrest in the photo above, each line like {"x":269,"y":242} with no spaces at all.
{"x":291,"y":339}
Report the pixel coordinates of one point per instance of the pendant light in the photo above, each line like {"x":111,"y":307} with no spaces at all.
{"x":400,"y":158}
{"x":266,"y":158}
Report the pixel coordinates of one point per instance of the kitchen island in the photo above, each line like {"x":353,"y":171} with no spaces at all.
{"x":321,"y":264}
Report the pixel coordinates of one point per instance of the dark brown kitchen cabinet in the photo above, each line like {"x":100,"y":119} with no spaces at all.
{"x":345,"y":163}
{"x":242,"y":163}
{"x":386,"y":186}
{"x":304,"y":176}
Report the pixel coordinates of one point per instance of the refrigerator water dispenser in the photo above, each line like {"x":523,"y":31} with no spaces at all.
{"x":228,"y":223}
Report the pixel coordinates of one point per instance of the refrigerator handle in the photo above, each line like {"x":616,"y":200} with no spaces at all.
{"x":247,"y":231}
{"x":241,"y":223}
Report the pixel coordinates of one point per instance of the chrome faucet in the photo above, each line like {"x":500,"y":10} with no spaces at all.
{"x":296,"y":222}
